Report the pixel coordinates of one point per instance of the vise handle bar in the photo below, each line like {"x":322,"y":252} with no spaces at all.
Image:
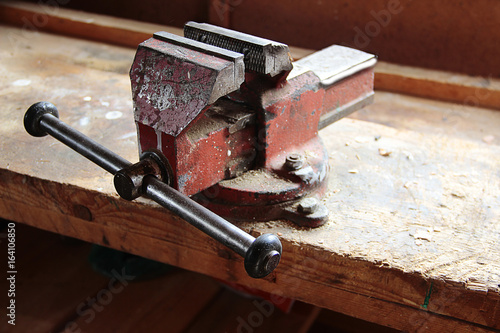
{"x":261,"y":254}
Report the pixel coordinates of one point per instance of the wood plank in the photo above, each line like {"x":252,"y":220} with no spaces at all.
{"x":459,"y":39}
{"x":424,"y":216}
{"x":448,"y":86}
{"x":173,"y":13}
{"x":39,"y":17}
{"x":235,"y":313}
{"x":53,"y":278}
{"x":169,"y":303}
{"x":328,"y":321}
{"x":219,"y":12}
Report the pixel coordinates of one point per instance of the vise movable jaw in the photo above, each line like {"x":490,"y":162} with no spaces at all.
{"x":238,"y":121}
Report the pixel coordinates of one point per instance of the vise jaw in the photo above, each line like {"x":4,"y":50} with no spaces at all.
{"x":238,"y":121}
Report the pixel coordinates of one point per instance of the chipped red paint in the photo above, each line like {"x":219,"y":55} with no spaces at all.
{"x":351,"y":89}
{"x":290,"y":118}
{"x":171,"y":85}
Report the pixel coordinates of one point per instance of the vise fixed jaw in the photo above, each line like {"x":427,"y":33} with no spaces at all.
{"x":230,"y":111}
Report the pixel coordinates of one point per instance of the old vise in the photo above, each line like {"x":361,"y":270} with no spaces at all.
{"x":228,"y":129}
{"x":238,"y":126}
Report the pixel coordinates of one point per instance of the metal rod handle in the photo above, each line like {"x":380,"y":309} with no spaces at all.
{"x":262,"y":254}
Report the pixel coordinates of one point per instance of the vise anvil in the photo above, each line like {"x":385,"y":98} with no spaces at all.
{"x":238,"y":125}
{"x":226,"y":121}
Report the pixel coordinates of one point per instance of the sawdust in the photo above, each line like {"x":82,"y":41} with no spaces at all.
{"x":489,"y":139}
{"x":384,"y":152}
{"x":255,"y":179}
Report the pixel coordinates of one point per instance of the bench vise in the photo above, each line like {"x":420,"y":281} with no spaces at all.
{"x":238,"y":121}
{"x":228,"y":128}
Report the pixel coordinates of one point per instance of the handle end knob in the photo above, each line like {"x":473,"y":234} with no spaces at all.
{"x":34,"y":114}
{"x":263,"y":256}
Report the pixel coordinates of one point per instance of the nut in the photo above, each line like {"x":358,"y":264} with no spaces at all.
{"x":308,"y":205}
{"x":294,"y":161}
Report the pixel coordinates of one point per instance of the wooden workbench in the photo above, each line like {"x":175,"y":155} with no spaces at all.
{"x":413,"y":239}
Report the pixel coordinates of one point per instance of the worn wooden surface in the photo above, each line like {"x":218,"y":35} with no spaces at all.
{"x":44,"y":17}
{"x":452,"y":35}
{"x":473,"y":91}
{"x":439,"y":34}
{"x":451,"y":86}
{"x":57,"y":291}
{"x":413,"y":238}
{"x":51,"y":281}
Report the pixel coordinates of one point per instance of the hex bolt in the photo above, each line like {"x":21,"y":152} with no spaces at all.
{"x":294,"y":161}
{"x":308,"y":205}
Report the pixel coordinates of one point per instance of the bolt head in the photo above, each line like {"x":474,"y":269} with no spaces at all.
{"x":271,"y":261}
{"x":34,"y":114}
{"x":308,"y":205}
{"x":294,"y":161}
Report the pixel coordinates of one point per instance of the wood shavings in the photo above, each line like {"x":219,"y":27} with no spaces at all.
{"x":384,"y":152}
{"x":422,"y":235}
{"x":362,"y":139}
{"x":488,"y":139}
{"x":458,"y":194}
{"x":473,"y":284}
{"x":410,"y":183}
{"x":483,"y":261}
{"x":409,"y":156}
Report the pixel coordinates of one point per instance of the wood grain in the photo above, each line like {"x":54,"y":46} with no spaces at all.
{"x":438,"y":34}
{"x":39,"y":17}
{"x":237,"y":314}
{"x":414,"y":233}
{"x":435,"y":34}
{"x":449,"y":86}
{"x":53,"y":278}
{"x":169,"y":303}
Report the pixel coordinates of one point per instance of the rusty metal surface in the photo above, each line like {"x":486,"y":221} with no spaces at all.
{"x":261,"y":55}
{"x":334,"y":63}
{"x":172,"y":84}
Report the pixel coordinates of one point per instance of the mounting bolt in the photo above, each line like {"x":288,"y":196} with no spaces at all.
{"x":294,"y":161}
{"x":308,"y":205}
